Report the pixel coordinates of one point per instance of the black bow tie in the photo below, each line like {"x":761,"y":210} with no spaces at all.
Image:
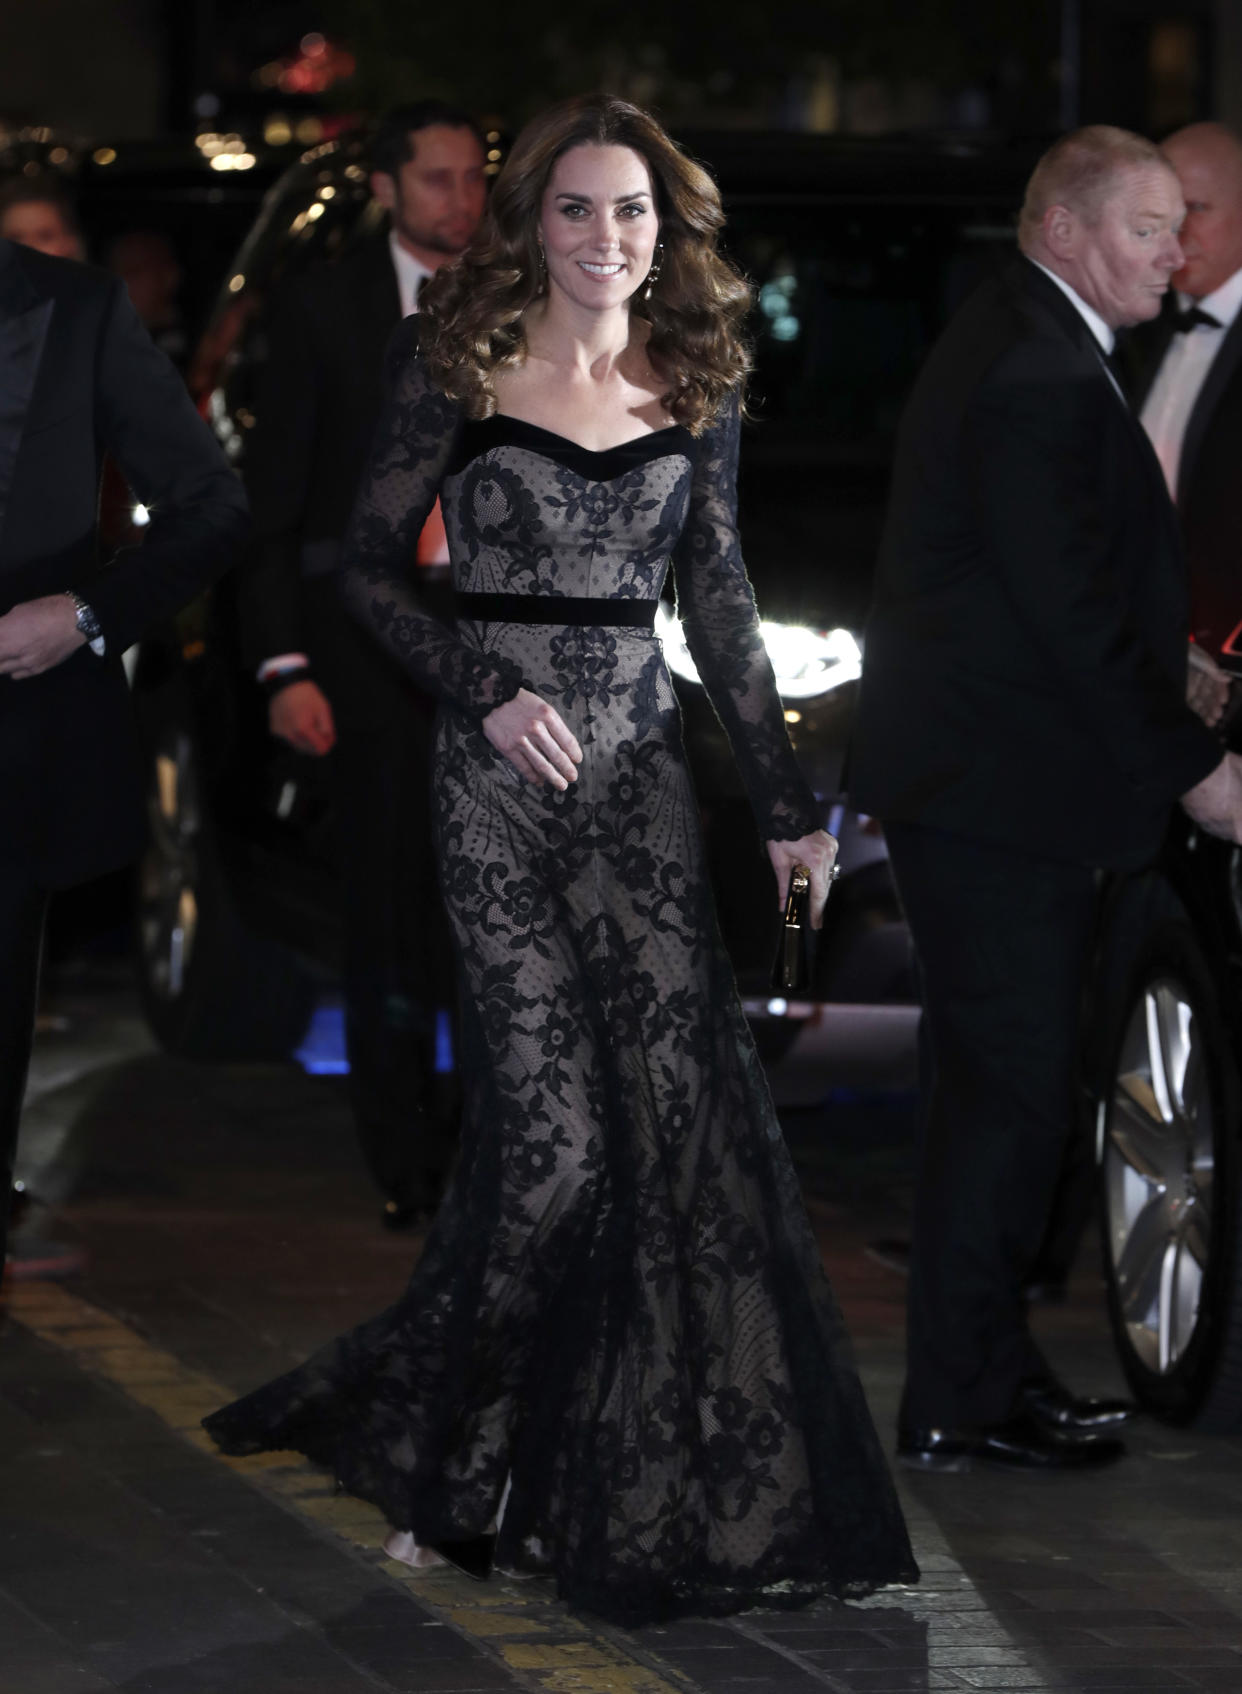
{"x":1184,"y":322}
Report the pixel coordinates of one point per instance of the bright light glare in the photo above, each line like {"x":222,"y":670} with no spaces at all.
{"x":807,"y":662}
{"x":139,"y":516}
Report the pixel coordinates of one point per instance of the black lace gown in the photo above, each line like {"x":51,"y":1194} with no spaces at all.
{"x":619,"y":1324}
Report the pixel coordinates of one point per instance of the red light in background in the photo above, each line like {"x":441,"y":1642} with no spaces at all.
{"x":317,"y":64}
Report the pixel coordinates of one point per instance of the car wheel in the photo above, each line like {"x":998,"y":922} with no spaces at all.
{"x":211,"y":988}
{"x":1168,"y":1165}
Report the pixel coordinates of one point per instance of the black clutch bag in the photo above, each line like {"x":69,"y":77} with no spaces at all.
{"x":791,"y":973}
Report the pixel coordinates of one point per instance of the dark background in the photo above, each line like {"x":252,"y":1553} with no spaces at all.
{"x":145,"y":68}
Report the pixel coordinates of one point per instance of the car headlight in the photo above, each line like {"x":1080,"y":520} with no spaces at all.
{"x":807,"y":662}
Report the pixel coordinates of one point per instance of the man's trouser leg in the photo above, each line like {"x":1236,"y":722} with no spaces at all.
{"x":23,"y":907}
{"x":393,"y":975}
{"x":1002,"y":941}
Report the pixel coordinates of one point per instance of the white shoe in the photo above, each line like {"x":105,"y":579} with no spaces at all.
{"x":402,"y":1546}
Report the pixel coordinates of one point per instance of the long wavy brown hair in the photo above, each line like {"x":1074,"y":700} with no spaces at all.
{"x":471,"y":312}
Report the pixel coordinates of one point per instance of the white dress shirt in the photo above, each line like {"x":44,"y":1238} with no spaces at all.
{"x":1182,"y":373}
{"x":411,"y":275}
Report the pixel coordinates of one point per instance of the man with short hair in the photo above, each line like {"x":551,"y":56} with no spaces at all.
{"x":1189,"y":380}
{"x":37,"y":212}
{"x":330,"y":691}
{"x":1023,"y":724}
{"x":79,"y":377}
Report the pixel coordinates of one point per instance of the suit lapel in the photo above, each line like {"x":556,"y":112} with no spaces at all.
{"x":382,"y":306}
{"x":24,"y":319}
{"x":1223,"y":366}
{"x":1035,"y":284}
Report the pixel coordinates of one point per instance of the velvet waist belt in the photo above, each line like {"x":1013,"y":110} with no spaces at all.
{"x":557,"y":609}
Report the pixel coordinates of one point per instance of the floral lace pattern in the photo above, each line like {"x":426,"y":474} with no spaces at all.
{"x":620,"y":1312}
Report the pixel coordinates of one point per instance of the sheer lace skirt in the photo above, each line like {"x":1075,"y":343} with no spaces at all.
{"x":620,"y":1315}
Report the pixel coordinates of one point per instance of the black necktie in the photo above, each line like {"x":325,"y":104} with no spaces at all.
{"x":1184,"y":322}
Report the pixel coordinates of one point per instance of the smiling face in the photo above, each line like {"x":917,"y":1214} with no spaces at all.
{"x":1121,"y":262}
{"x":599,"y":226}
{"x":1208,"y":162}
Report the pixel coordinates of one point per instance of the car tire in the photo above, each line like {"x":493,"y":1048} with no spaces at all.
{"x":211,"y":988}
{"x":1167,"y":1153}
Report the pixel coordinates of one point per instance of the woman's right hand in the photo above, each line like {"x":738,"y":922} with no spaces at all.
{"x":535,"y":739}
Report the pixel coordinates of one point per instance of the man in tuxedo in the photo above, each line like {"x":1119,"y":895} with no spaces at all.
{"x":79,"y":377}
{"x":1188,"y":388}
{"x":332,"y":692}
{"x":1023,"y":724}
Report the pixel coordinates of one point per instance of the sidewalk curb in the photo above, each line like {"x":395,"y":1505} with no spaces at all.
{"x":521,"y":1625}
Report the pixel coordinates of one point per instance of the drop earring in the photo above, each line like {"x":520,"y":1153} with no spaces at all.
{"x":653,"y":273}
{"x":543,"y":268}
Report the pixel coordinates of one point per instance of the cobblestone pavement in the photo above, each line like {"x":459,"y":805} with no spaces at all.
{"x":228,"y":1230}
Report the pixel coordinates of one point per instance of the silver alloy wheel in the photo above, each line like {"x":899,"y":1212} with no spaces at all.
{"x":1158,"y":1167}
{"x":168,"y":872}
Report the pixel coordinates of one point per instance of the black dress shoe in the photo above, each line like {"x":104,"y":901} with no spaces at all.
{"x":1057,"y":1409}
{"x":473,"y":1557}
{"x":1022,"y":1442}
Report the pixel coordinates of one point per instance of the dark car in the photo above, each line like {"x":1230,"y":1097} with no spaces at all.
{"x":1165,"y":1102}
{"x":858,"y":253}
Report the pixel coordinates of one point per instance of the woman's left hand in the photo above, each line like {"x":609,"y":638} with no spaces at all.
{"x":818,"y":852}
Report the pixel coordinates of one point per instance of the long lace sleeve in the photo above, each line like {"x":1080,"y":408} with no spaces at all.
{"x":717,"y":610}
{"x":412,"y":448}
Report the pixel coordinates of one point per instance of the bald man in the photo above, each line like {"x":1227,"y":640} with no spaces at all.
{"x":1022,"y":725}
{"x":1188,"y":380}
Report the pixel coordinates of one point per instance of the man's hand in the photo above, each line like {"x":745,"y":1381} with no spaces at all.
{"x":301,"y":715}
{"x":1207,"y":687}
{"x":37,"y":635}
{"x":1215,"y":804}
{"x":535,"y":739}
{"x":818,"y":852}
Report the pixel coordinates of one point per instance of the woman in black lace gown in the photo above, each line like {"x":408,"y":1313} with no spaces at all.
{"x":619,"y":1340}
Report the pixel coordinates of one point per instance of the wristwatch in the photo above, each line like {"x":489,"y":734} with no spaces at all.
{"x":88,"y":624}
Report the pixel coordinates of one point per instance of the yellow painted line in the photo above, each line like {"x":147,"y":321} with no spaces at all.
{"x":536,"y":1637}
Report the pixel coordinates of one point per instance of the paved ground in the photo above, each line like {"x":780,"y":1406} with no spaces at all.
{"x":229,"y":1230}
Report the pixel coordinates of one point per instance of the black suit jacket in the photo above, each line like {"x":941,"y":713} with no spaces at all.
{"x":1024,"y":679}
{"x":79,"y":377}
{"x":1209,"y":477}
{"x":317,"y":402}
